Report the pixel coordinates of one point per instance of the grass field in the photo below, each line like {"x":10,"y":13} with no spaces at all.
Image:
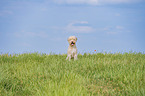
{"x":100,"y":74}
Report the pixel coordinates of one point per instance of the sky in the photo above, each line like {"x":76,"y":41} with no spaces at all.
{"x":43,"y":26}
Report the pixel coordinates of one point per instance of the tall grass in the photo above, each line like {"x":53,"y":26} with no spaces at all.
{"x":92,"y":74}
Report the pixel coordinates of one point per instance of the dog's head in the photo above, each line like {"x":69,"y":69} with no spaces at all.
{"x":72,"y":40}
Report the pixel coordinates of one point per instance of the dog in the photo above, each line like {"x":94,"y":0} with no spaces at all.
{"x":72,"y":49}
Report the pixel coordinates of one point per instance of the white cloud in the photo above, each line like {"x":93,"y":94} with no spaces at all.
{"x":84,"y":27}
{"x":119,"y":27}
{"x":77,"y":1}
{"x":5,"y":12}
{"x":94,"y":2}
{"x":30,"y":34}
{"x":115,"y":30}
{"x":118,"y":1}
{"x":117,"y":14}
{"x":79,"y":27}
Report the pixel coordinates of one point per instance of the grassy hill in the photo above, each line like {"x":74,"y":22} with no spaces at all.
{"x":91,"y":75}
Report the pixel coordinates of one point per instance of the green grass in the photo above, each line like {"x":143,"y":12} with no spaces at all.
{"x":91,"y":75}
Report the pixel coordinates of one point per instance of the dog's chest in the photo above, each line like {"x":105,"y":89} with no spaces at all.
{"x":73,"y":51}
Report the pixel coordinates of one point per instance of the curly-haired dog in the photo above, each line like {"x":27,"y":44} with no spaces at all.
{"x":72,"y":49}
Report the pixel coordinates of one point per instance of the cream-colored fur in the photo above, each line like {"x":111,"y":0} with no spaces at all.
{"x":72,"y":49}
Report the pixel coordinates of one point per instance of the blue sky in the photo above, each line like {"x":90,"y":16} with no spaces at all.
{"x":44,"y":25}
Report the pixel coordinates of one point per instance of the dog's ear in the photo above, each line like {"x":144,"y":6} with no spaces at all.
{"x":76,"y":38}
{"x":67,"y":39}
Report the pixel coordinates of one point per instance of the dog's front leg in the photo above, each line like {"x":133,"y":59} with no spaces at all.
{"x":75,"y":57}
{"x":68,"y":57}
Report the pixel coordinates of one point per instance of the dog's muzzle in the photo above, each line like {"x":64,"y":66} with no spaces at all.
{"x":72,"y":43}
